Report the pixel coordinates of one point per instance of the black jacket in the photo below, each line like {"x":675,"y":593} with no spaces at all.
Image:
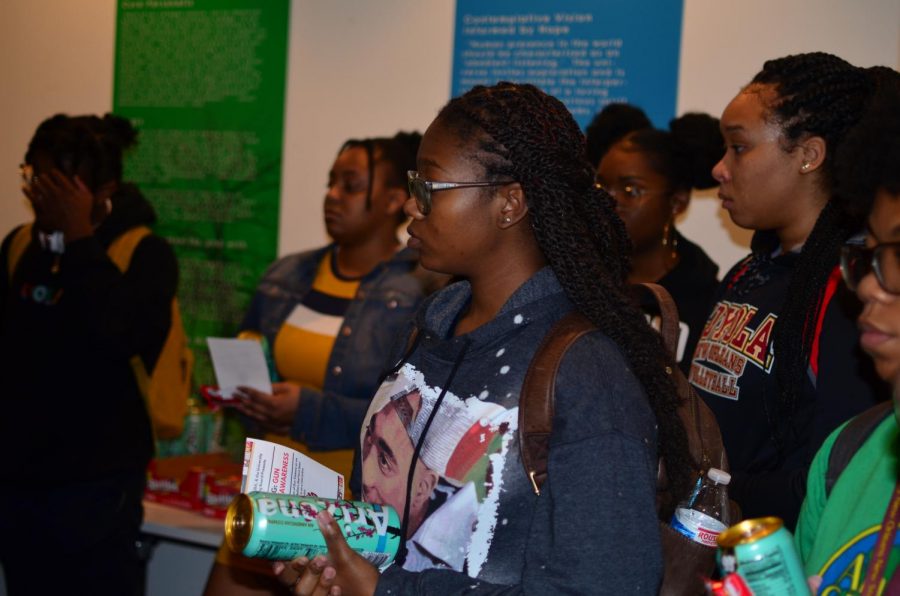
{"x":733,"y":370}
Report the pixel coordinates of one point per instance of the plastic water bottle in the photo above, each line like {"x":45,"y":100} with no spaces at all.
{"x":703,"y":515}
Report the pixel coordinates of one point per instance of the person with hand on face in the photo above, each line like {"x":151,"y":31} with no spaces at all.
{"x":331,"y":316}
{"x":845,"y":535}
{"x":650,"y":174}
{"x":778,"y":361}
{"x":505,"y":199}
{"x":75,"y":429}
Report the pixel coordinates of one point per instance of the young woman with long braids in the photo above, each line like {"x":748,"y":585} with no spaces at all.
{"x":505,"y":199}
{"x":778,"y":360}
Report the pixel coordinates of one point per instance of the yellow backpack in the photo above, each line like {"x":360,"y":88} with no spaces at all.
{"x":167,"y":389}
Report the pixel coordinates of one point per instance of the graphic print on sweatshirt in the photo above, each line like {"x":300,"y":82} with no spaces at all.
{"x":458,"y":476}
{"x":733,"y":338}
{"x":846,"y":569}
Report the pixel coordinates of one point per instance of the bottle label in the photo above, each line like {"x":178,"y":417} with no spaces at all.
{"x":697,"y":526}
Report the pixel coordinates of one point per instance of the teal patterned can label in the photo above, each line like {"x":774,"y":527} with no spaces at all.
{"x":282,"y":527}
{"x":762,"y":552}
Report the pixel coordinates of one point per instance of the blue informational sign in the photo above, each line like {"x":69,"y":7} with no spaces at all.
{"x":588,"y":53}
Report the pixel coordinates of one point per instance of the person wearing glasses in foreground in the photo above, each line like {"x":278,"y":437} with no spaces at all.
{"x":533,"y":239}
{"x":840,"y":533}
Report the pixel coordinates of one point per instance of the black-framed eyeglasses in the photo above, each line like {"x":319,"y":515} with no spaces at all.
{"x":421,"y":189}
{"x":857,"y":261}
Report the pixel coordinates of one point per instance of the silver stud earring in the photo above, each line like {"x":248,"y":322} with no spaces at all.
{"x":507,"y":219}
{"x":805,"y":166}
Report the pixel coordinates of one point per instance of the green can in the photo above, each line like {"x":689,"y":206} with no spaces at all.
{"x":282,"y":527}
{"x":762,"y":552}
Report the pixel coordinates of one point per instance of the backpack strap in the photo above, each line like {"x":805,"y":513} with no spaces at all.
{"x":119,"y":252}
{"x":17,"y":247}
{"x":537,"y":399}
{"x":122,"y":248}
{"x":166,"y":388}
{"x":851,"y":438}
{"x":668,"y":314}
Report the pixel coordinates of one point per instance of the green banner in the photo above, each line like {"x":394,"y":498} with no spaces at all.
{"x":204,"y":81}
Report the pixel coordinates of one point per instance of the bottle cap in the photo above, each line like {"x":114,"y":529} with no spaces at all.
{"x":719,"y":476}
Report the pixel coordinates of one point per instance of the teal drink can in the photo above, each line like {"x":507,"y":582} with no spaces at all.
{"x":282,"y":527}
{"x":762,"y":552}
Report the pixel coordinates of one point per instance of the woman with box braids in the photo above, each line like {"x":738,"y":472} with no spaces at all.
{"x":504,"y":199}
{"x":782,"y":307}
{"x":821,"y":95}
{"x":523,"y":135}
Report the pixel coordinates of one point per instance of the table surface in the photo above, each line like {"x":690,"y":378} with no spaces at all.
{"x":179,"y":524}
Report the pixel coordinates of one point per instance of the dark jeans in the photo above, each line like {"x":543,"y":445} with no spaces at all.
{"x":76,"y":539}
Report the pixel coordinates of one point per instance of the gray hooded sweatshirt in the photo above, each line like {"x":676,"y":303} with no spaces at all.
{"x":475,"y":524}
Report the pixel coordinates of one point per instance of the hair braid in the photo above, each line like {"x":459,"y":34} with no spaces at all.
{"x":524,"y":133}
{"x":397,"y":152}
{"x":869,"y":158}
{"x":794,"y":334}
{"x":818,"y":94}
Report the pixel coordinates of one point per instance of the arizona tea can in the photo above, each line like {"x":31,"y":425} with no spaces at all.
{"x":282,"y":527}
{"x":762,"y":552}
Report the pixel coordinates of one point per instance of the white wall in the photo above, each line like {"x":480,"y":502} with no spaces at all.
{"x":371,"y":68}
{"x":55,"y":56}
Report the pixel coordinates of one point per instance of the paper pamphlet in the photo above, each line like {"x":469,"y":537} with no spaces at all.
{"x":273,"y":468}
{"x":237,"y":363}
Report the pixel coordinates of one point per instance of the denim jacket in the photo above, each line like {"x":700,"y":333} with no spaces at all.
{"x":386,"y":299}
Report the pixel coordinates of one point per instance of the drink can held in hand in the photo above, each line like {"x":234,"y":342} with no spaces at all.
{"x":282,"y":527}
{"x":762,"y":552}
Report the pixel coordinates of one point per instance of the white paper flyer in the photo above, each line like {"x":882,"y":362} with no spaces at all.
{"x":273,"y":468}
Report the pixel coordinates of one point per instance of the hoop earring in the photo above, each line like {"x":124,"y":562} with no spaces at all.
{"x":670,"y":240}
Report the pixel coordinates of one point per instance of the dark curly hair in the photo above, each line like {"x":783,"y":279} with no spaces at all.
{"x":89,"y":146}
{"x":869,"y":158}
{"x":686,"y":153}
{"x":610,"y":124}
{"x":816,"y":94}
{"x":518,"y":132}
{"x":399,"y":152}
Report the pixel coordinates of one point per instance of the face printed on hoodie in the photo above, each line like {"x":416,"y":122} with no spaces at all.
{"x":386,"y":456}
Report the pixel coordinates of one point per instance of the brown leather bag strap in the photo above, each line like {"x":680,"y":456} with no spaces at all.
{"x":537,"y":398}
{"x":697,"y":422}
{"x":668,"y":314}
